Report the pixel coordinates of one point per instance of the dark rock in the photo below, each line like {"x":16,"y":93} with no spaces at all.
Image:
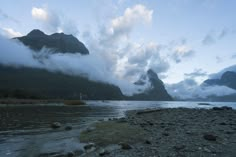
{"x":229,"y":132}
{"x":227,"y":108}
{"x":222,"y":108}
{"x":217,"y":108}
{"x":222,"y":123}
{"x":125,"y":146}
{"x":90,"y":129}
{"x":56,"y":125}
{"x":67,"y":128}
{"x":204,"y":104}
{"x":122,"y":120}
{"x":179,"y":147}
{"x":103,"y":152}
{"x":70,"y":154}
{"x":165,"y":134}
{"x":209,"y":137}
{"x":148,"y":142}
{"x":89,"y":146}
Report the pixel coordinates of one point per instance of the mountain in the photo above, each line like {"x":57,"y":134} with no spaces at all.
{"x":156,"y":91}
{"x":228,"y":79}
{"x":57,"y":42}
{"x":24,"y":82}
{"x":38,"y":83}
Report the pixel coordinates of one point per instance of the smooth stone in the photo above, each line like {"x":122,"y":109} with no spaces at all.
{"x":125,"y":146}
{"x":89,"y":146}
{"x":56,"y":125}
{"x":209,"y":137}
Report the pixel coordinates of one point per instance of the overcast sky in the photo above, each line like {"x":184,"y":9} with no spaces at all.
{"x":178,"y":39}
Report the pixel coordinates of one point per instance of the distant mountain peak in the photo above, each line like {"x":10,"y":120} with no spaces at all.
{"x":151,"y":74}
{"x":155,"y":87}
{"x":35,"y":33}
{"x":57,"y":42}
{"x":228,"y":79}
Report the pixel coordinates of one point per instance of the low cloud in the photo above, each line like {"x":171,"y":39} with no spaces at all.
{"x":189,"y":89}
{"x":10,"y":33}
{"x":111,"y":58}
{"x":54,"y":22}
{"x":93,"y":66}
{"x":181,"y":52}
{"x":219,"y":74}
{"x":214,"y":36}
{"x":196,"y":73}
{"x":233,"y":56}
{"x":208,"y":40}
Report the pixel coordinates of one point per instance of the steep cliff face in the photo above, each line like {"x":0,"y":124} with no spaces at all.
{"x":57,"y":42}
{"x":156,"y":89}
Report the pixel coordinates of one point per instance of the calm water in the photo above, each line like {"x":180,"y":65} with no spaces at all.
{"x":42,"y":139}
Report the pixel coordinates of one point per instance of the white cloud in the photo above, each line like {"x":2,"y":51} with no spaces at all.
{"x":39,"y":13}
{"x":219,"y":74}
{"x":121,"y":26}
{"x":9,"y":32}
{"x":137,"y":14}
{"x":54,"y":22}
{"x":181,"y":52}
{"x":189,"y":89}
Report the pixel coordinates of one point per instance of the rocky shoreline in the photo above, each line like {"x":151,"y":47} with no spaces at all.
{"x":176,"y":132}
{"x":164,"y":132}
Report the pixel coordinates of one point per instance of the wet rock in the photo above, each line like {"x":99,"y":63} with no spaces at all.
{"x":222,"y":108}
{"x":90,"y":129}
{"x":89,"y":146}
{"x":125,"y":146}
{"x":122,"y":120}
{"x":165,"y":134}
{"x":227,"y":108}
{"x":179,"y":147}
{"x":222,"y":123}
{"x":209,"y":137}
{"x":67,"y":128}
{"x":56,"y":125}
{"x":103,"y":152}
{"x":148,"y":142}
{"x":217,"y":108}
{"x":70,"y":154}
{"x":205,"y":104}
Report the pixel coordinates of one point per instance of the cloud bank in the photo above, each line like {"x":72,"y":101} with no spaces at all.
{"x":92,"y":66}
{"x":189,"y":89}
{"x":10,"y":33}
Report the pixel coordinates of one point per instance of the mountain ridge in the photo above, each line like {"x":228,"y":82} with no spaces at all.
{"x":57,"y":42}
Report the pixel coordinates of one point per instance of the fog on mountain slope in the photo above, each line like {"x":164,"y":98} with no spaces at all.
{"x":92,"y":66}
